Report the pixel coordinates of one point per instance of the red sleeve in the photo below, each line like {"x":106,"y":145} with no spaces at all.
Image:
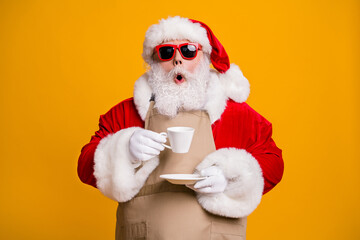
{"x":267,"y":154}
{"x":242,"y":127}
{"x":121,"y":116}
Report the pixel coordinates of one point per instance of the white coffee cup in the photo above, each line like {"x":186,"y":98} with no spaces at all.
{"x":180,"y":138}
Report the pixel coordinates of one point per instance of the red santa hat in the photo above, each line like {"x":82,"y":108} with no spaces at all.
{"x":178,"y":28}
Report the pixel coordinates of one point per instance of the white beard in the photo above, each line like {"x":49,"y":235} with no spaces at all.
{"x":171,"y":97}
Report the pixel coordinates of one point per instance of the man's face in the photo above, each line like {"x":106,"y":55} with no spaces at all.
{"x":179,"y":84}
{"x":179,"y":61}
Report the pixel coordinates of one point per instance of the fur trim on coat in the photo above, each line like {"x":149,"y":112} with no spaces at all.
{"x":116,"y":176}
{"x":245,"y":183}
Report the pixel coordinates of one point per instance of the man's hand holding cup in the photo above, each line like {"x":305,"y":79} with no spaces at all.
{"x":145,"y":144}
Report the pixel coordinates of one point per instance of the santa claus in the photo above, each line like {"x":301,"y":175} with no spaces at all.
{"x":232,"y":149}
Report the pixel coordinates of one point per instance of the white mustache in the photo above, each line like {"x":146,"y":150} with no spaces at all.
{"x":179,"y":70}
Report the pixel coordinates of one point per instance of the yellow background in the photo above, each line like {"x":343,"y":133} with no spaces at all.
{"x":63,"y":63}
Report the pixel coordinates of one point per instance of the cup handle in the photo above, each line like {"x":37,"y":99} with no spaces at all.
{"x":165,"y":135}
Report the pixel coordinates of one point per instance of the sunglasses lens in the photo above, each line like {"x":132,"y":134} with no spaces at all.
{"x":166,"y":52}
{"x":188,"y":51}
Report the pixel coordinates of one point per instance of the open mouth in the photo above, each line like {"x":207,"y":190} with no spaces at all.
{"x":179,"y":79}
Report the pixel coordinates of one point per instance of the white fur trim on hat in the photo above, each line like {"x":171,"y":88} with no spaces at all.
{"x":115,"y":174}
{"x":234,"y":83}
{"x":174,"y":28}
{"x":245,"y":183}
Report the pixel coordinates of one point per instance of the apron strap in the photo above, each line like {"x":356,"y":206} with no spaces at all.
{"x":151,"y":106}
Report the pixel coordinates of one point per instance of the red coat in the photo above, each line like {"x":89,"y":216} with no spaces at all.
{"x":238,"y":127}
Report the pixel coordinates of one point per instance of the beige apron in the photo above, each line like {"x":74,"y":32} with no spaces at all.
{"x":164,"y":211}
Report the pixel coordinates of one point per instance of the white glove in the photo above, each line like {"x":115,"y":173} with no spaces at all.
{"x":145,"y":144}
{"x":214,"y":183}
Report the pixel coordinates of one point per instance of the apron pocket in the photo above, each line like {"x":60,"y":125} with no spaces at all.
{"x":227,"y":231}
{"x":135,"y":231}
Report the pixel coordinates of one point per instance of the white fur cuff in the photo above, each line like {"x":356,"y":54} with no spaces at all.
{"x":245,"y":183}
{"x":115,"y":175}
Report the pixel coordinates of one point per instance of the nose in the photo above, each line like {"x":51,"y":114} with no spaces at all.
{"x":178,"y":60}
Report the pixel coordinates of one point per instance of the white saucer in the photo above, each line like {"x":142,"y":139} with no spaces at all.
{"x":182,"y":178}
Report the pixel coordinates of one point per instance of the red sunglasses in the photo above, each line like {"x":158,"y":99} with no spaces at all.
{"x":187,"y":50}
